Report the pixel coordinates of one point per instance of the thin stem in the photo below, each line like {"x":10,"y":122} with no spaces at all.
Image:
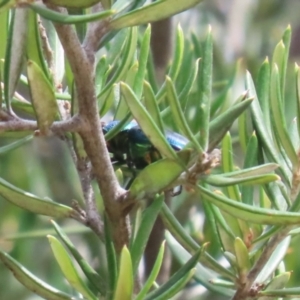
{"x":93,"y":217}
{"x":91,"y":133}
{"x":244,"y":291}
{"x":46,"y":48}
{"x":95,"y":31}
{"x":13,"y":123}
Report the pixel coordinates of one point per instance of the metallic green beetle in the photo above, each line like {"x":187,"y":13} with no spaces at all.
{"x":132,"y":146}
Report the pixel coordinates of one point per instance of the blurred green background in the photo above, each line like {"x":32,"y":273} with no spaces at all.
{"x":244,"y":32}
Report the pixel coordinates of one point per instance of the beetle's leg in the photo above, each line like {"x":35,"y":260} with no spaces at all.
{"x":147,"y":158}
{"x":175,"y":192}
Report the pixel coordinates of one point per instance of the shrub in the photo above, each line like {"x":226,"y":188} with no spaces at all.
{"x":105,"y":71}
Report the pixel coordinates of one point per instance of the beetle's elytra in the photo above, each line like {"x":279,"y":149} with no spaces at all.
{"x":131,"y":145}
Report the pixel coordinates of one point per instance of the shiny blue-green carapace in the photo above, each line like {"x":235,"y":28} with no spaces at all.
{"x":132,"y":146}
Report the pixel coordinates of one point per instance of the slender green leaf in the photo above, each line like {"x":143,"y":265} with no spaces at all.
{"x":122,"y":109}
{"x":297,"y":71}
{"x":184,"y":95}
{"x":111,"y":97}
{"x":124,"y":286}
{"x":225,"y":239}
{"x":228,"y":166}
{"x":34,"y":204}
{"x":58,"y":59}
{"x":243,"y":127}
{"x":250,"y":213}
{"x":278,"y":117}
{"x":221,"y":221}
{"x":155,"y":178}
{"x":189,"y":83}
{"x":261,"y":128}
{"x":278,"y":282}
{"x":276,"y":258}
{"x":151,"y":75}
{"x":70,"y":82}
{"x":173,"y":225}
{"x":186,"y":69}
{"x":1,"y":89}
{"x":263,"y":91}
{"x":178,"y":115}
{"x":111,"y":259}
{"x":221,"y":181}
{"x":155,"y":11}
{"x":78,"y":146}
{"x":16,"y":49}
{"x":141,"y":239}
{"x":34,"y":49}
{"x":144,"y":53}
{"x":128,"y":52}
{"x":23,"y":107}
{"x":41,"y":233}
{"x":182,"y":272}
{"x":152,"y":106}
{"x":203,"y":275}
{"x":254,"y":171}
{"x":101,"y":73}
{"x":131,"y":74}
{"x":211,"y":226}
{"x":4,"y":17}
{"x":275,"y":196}
{"x":219,"y":103}
{"x":242,"y":259}
{"x":74,"y":3}
{"x":43,"y":97}
{"x":286,"y":38}
{"x":250,"y":160}
{"x":114,"y":131}
{"x":233,"y":191}
{"x":221,"y":124}
{"x":279,"y":60}
{"x":68,"y":19}
{"x":293,"y":293}
{"x":122,"y":5}
{"x":154,"y":272}
{"x":231,"y":258}
{"x":178,"y":54}
{"x":15,"y":145}
{"x":293,"y":132}
{"x":222,"y":283}
{"x":87,"y":269}
{"x":176,"y":229}
{"x":30,"y":281}
{"x":175,"y":64}
{"x":148,"y":126}
{"x":68,"y":268}
{"x":204,"y":87}
{"x":175,"y":288}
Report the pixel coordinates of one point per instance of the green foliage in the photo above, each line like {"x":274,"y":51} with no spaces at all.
{"x":249,"y":221}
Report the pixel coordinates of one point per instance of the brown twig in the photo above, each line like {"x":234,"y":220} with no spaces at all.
{"x":94,"y":220}
{"x":91,"y":133}
{"x":95,"y":31}
{"x":243,"y":292}
{"x":13,"y":123}
{"x":46,"y":47}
